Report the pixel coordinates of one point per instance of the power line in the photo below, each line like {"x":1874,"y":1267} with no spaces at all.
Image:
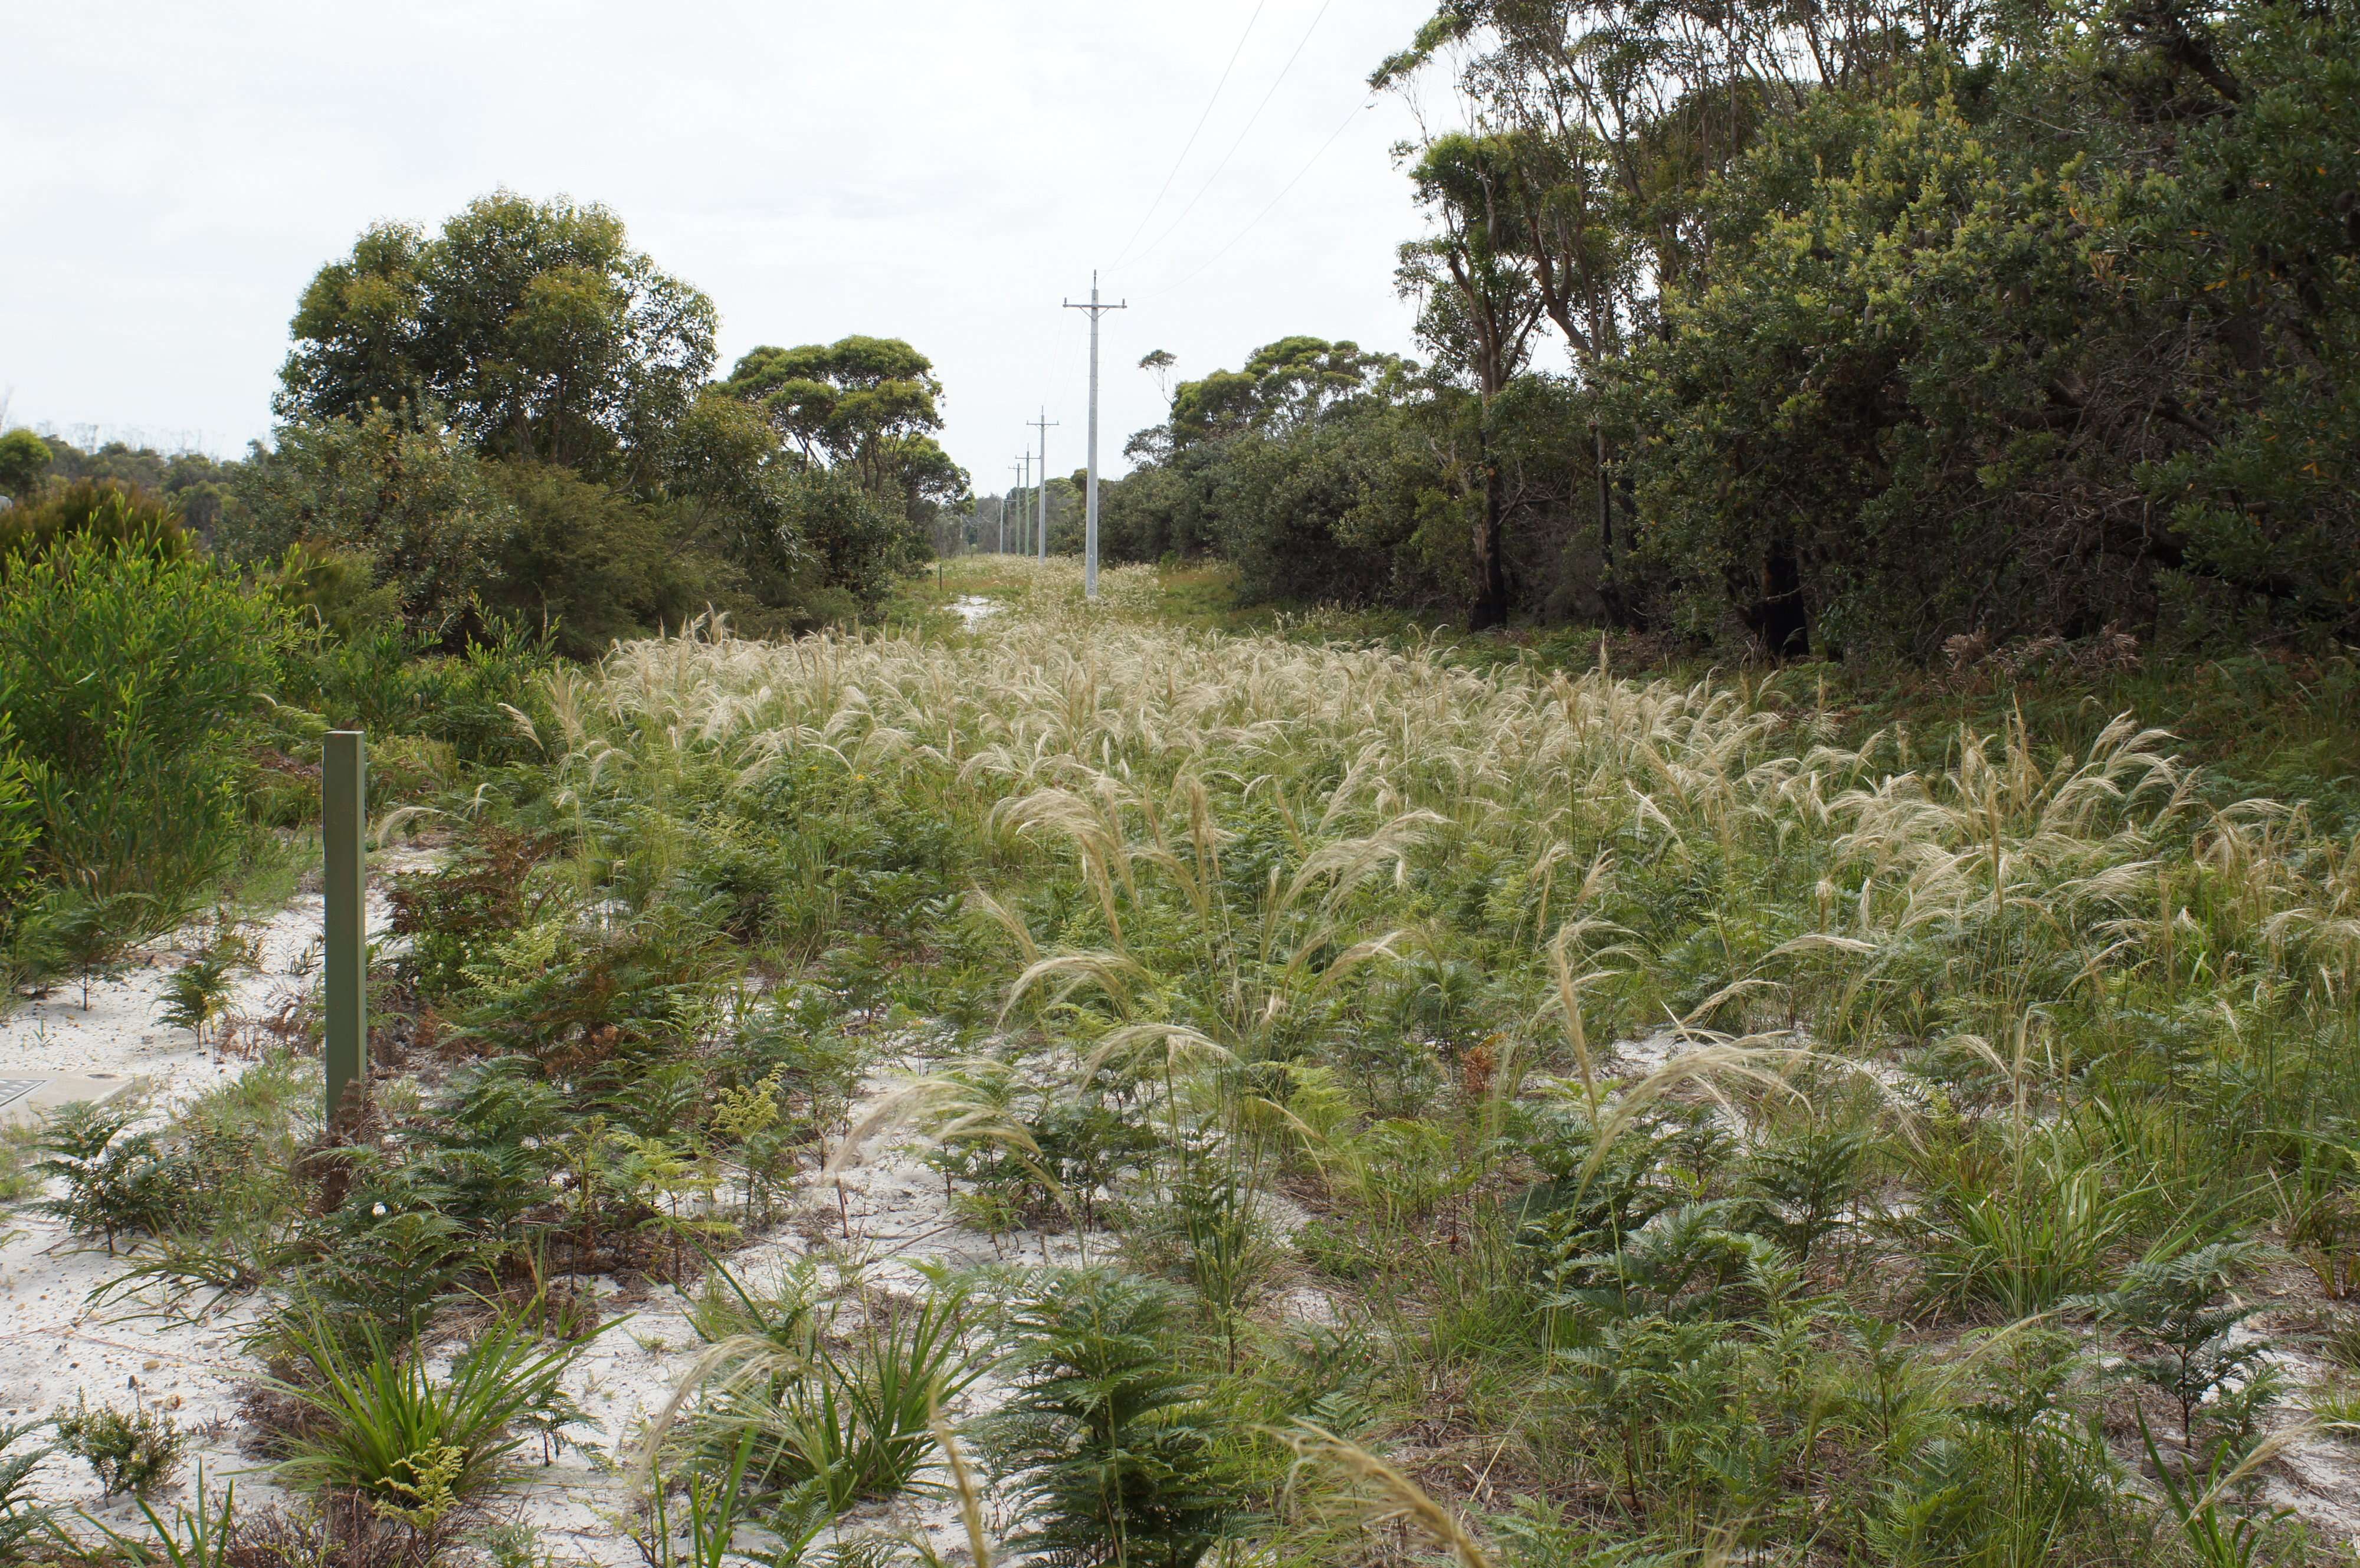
{"x":1189,"y":145}
{"x":1251,"y":121}
{"x":1356,"y":110}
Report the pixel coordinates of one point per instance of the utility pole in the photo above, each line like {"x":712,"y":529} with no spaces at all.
{"x":1009,"y":502}
{"x":1045,"y":424}
{"x":1090,"y":501}
{"x":1024,"y":479}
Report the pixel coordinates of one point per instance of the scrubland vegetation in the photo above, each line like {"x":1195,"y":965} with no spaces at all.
{"x":1847,"y":331}
{"x":1822,"y":1028}
{"x":1496,"y":1107}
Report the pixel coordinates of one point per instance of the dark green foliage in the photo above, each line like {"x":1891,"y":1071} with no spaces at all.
{"x":863,"y":407}
{"x":593,"y":562}
{"x":1872,"y":348}
{"x":1115,"y":1453}
{"x":332,"y":589}
{"x":861,"y":545}
{"x":2180,"y":1329}
{"x":24,"y":459}
{"x":132,"y":683}
{"x":534,"y":325}
{"x":133,"y":1451}
{"x":118,"y":1181}
{"x":106,"y":513}
{"x":393,"y":681}
{"x":415,"y":504}
{"x":196,"y":482}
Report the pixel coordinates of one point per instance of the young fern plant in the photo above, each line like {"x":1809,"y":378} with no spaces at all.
{"x":118,"y":1181}
{"x":1114,"y":1451}
{"x":197,"y":994}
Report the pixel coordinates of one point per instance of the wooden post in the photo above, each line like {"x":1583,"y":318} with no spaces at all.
{"x":343,"y":829}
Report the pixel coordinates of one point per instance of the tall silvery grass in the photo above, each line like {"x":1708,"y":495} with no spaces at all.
{"x":1731,"y":1005}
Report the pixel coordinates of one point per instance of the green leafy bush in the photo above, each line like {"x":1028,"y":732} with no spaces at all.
{"x":133,"y":1451}
{"x":103,"y":512}
{"x":24,"y":459}
{"x":134,"y":683}
{"x":410,"y":501}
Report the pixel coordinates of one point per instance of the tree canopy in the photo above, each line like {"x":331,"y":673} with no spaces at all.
{"x":866,"y":405}
{"x":1884,"y":327}
{"x":533,"y":327}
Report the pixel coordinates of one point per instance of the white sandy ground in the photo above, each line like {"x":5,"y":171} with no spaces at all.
{"x":887,"y":1218}
{"x":53,"y":1345}
{"x":891,"y":1217}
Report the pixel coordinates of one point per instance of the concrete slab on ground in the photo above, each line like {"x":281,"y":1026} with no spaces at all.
{"x":26,"y":1099}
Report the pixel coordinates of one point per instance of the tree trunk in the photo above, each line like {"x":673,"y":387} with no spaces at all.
{"x":1491,"y":606}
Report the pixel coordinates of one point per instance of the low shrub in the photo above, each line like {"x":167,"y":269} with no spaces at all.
{"x":118,"y":1180}
{"x":98,"y":511}
{"x":133,"y":1451}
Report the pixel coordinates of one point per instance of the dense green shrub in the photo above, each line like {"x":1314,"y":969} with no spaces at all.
{"x":413,"y":502}
{"x":17,"y":829}
{"x":132,"y":683}
{"x":113,"y":515}
{"x":596,"y":563}
{"x":24,"y":459}
{"x":392,"y":681}
{"x":1905,"y":350}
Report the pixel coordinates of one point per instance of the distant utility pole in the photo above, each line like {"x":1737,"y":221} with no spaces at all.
{"x":1045,"y":424}
{"x":1024,"y":479}
{"x":1015,"y":502}
{"x":1090,"y":502}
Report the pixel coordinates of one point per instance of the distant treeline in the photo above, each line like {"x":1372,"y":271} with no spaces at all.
{"x":516,"y":419}
{"x":1888,"y":325}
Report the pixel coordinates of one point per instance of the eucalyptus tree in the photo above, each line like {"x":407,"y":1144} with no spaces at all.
{"x":532,"y":328}
{"x":1476,"y":284}
{"x":863,"y":405}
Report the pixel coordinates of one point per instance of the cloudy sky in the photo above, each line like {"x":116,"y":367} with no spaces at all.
{"x":944,"y":171}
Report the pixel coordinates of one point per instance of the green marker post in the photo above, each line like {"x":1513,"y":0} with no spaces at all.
{"x":343,"y":832}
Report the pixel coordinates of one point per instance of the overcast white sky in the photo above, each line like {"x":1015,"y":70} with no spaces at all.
{"x":942,"y":171}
